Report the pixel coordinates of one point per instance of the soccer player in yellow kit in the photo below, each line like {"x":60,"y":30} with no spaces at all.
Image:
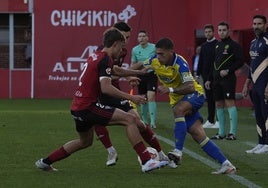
{"x":186,"y":98}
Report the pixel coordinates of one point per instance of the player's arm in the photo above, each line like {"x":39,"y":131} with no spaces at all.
{"x":119,"y":71}
{"x":245,"y":90}
{"x":136,"y":65}
{"x":109,"y":89}
{"x":187,"y":86}
{"x":238,"y":59}
{"x":184,"y":89}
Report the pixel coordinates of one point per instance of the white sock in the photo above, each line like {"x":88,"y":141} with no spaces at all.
{"x":111,"y":149}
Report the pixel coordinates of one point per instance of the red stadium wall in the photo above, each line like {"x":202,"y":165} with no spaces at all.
{"x":4,"y":83}
{"x":7,"y":6}
{"x":63,"y":32}
{"x":20,"y":81}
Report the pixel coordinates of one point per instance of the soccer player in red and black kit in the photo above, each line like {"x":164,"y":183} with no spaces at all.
{"x":145,"y":131}
{"x":87,"y":112}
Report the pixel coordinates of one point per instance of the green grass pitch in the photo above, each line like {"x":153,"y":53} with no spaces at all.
{"x":32,"y":128}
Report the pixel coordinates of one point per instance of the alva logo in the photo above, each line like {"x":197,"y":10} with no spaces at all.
{"x":76,"y":63}
{"x":71,"y":62}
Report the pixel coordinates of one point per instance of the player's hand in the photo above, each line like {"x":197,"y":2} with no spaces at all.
{"x":162,"y":90}
{"x":266,"y":93}
{"x":207,"y":85}
{"x":245,"y":91}
{"x":138,"y":99}
{"x":147,"y":67}
{"x":224,"y":73}
{"x":133,"y":81}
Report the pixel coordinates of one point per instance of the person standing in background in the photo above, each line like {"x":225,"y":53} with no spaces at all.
{"x":258,"y":76}
{"x":148,"y":83}
{"x":228,"y":58}
{"x":205,"y":64}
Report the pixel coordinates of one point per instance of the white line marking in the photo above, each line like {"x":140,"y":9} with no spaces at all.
{"x":250,"y":144}
{"x":212,"y":164}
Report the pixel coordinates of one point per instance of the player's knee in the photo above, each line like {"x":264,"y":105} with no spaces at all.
{"x":141,"y":125}
{"x":85,"y":143}
{"x":132,"y":118}
{"x":179,"y":111}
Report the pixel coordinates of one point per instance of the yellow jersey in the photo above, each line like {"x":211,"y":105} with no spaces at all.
{"x":173,"y":75}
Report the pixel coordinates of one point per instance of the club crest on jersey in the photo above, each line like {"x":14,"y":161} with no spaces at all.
{"x":187,"y":76}
{"x":108,"y":71}
{"x":226,"y":47}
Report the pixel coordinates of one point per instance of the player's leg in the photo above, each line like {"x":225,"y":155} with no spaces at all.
{"x":85,"y":132}
{"x":130,"y":121}
{"x":146,"y":132}
{"x":261,"y":114}
{"x":180,"y":128}
{"x":208,"y":146}
{"x":182,"y":110}
{"x":219,"y":103}
{"x":229,"y":97}
{"x":150,"y":138}
{"x":211,"y":105}
{"x":151,"y":92}
{"x":152,"y":108}
{"x":142,"y":90}
{"x":104,"y":137}
{"x":232,"y":110}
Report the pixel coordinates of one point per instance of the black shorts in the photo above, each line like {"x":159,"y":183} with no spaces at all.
{"x":96,"y":114}
{"x":225,"y":88}
{"x":148,"y":83}
{"x":116,"y":102}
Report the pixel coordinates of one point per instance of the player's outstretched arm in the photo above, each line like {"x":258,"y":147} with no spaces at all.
{"x":109,"y":89}
{"x":119,"y":71}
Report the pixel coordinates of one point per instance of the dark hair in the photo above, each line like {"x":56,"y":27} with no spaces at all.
{"x":112,"y":35}
{"x":165,"y":43}
{"x":261,"y":17}
{"x":209,"y":26}
{"x":224,"y":24}
{"x":122,"y":26}
{"x":143,"y":31}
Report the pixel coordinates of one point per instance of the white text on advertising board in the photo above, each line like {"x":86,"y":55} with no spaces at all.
{"x":93,"y":18}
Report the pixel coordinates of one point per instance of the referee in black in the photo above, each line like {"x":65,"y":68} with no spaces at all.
{"x":228,"y":58}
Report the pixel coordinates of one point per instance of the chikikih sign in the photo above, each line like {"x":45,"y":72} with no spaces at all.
{"x":68,"y":35}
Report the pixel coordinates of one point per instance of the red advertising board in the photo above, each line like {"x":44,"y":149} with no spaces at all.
{"x":66,"y":33}
{"x":14,"y":5}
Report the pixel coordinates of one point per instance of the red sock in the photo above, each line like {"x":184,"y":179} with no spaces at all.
{"x":149,"y":137}
{"x":57,"y":155}
{"x":141,"y":150}
{"x":103,"y":135}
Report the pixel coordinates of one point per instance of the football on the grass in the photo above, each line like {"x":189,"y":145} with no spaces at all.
{"x":154,"y":154}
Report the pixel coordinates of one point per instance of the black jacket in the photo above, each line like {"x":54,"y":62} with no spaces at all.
{"x":228,"y":55}
{"x":206,"y":59}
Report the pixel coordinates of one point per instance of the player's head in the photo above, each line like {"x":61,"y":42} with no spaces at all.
{"x":164,"y":50}
{"x":209,"y":31}
{"x":259,"y":24}
{"x":223,"y":30}
{"x":143,"y":37}
{"x":114,"y":40}
{"x":124,"y":28}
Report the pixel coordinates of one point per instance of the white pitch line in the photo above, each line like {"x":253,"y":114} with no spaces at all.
{"x":250,"y":144}
{"x":212,"y":164}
